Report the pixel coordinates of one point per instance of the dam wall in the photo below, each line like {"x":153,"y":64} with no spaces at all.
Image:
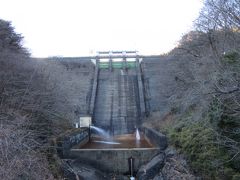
{"x":118,"y":95}
{"x":160,"y":85}
{"x":75,"y":81}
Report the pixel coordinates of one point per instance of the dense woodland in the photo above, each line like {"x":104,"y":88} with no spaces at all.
{"x":34,"y":108}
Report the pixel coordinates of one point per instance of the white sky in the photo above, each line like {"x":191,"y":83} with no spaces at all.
{"x":81,"y":27}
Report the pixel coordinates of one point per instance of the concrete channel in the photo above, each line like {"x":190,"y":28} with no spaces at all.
{"x":77,"y":146}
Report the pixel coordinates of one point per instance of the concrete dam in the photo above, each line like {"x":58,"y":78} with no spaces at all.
{"x":117,"y":99}
{"x":117,"y":91}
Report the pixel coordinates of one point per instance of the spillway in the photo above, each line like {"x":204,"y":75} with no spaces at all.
{"x":117,"y":101}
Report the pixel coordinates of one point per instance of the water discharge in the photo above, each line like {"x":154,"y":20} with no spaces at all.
{"x":122,"y":73}
{"x":138,"y":138}
{"x":104,"y":135}
{"x":106,"y":142}
{"x":125,"y":141}
{"x":101,"y":132}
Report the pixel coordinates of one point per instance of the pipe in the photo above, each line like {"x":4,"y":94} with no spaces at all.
{"x":89,"y":132}
{"x":131,"y":166}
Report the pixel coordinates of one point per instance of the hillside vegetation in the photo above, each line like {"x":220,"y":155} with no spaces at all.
{"x":201,"y":96}
{"x":39,"y":99}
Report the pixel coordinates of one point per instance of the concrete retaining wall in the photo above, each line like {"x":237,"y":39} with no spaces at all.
{"x":140,"y":89}
{"x":68,"y":140}
{"x":114,"y":160}
{"x":109,"y":160}
{"x":156,"y":138}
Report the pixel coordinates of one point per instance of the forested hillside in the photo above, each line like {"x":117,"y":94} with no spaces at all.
{"x":39,"y":98}
{"x":199,"y":100}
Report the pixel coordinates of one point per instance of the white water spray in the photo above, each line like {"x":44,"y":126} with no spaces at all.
{"x":122,"y":73}
{"x":137,"y":135}
{"x":103,"y":134}
{"x":100,"y":131}
{"x":106,"y":142}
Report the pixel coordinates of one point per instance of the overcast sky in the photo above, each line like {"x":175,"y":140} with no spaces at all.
{"x":82,"y":27}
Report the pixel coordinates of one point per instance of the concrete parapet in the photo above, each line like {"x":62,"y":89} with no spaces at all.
{"x":155,"y":137}
{"x":114,"y":160}
{"x":67,"y":140}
